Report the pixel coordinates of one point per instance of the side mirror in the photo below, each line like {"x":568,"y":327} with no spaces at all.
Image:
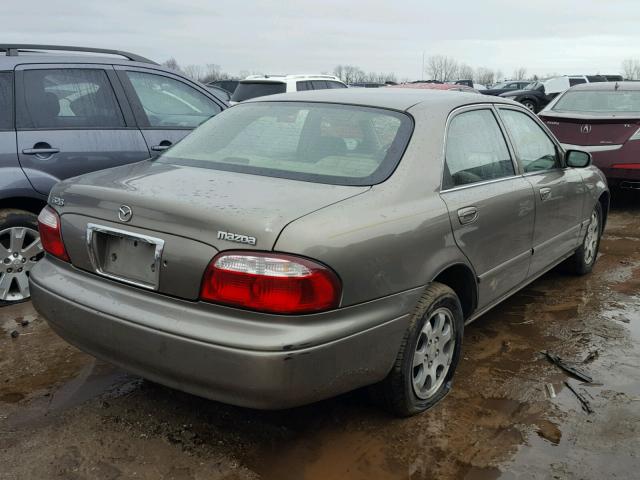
{"x":577,"y":158}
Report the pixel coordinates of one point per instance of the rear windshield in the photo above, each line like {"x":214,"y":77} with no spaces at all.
{"x":314,"y":142}
{"x":247,"y":90}
{"x":599,"y":102}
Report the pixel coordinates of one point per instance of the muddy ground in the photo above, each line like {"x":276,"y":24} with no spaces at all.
{"x":66,"y":415}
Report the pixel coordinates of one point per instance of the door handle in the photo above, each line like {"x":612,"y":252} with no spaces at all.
{"x":467,"y":215}
{"x":40,"y":151}
{"x":545,"y":194}
{"x":162,"y":146}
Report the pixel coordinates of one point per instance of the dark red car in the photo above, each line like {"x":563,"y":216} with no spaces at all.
{"x":603,"y":119}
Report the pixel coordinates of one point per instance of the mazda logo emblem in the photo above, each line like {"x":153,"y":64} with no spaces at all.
{"x":585,"y":128}
{"x":125,"y":213}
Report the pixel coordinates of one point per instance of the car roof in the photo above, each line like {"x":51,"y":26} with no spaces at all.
{"x":284,"y":78}
{"x":607,"y":86}
{"x":9,"y":62}
{"x":392,"y":98}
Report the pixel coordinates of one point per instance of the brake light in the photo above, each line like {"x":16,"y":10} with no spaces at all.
{"x":270,"y":282}
{"x":626,"y":166}
{"x":50,"y":233}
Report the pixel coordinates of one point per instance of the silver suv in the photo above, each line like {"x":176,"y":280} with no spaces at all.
{"x":65,"y":111}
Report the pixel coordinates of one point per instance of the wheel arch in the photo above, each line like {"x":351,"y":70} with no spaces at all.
{"x":30,"y":204}
{"x":462,"y":280}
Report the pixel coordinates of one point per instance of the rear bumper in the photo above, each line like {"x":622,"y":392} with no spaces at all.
{"x":94,"y":314}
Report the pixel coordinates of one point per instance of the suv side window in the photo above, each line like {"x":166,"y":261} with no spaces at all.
{"x":69,"y":98}
{"x":6,"y":101}
{"x":476,"y":150}
{"x":333,"y":84}
{"x":304,"y":85}
{"x":535,"y":149}
{"x":171,"y":103}
{"x":319,"y":84}
{"x":576,"y":81}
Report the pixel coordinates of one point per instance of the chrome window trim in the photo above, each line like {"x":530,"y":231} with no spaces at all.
{"x":92,"y":228}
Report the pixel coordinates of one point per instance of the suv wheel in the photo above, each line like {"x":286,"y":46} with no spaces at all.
{"x":20,"y":250}
{"x":428,"y":355}
{"x":530,"y":105}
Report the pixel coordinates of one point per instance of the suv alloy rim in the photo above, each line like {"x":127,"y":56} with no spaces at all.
{"x":20,"y":250}
{"x":433,"y":353}
{"x":591,"y":238}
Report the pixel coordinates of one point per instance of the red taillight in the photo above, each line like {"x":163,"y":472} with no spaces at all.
{"x":270,"y":282}
{"x":626,"y":166}
{"x":50,"y":234}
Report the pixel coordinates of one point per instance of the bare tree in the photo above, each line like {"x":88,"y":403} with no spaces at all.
{"x":195,"y":72}
{"x":485,"y":76}
{"x":442,"y":68}
{"x":349,"y":74}
{"x":520,"y":73}
{"x":172,"y":63}
{"x":631,"y":69}
{"x":465,"y":72}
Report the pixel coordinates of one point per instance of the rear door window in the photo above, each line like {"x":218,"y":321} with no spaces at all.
{"x":247,"y":90}
{"x":319,"y":85}
{"x":476,"y":150}
{"x":170,"y":103}
{"x":333,"y":84}
{"x":6,"y":101}
{"x":69,"y":98}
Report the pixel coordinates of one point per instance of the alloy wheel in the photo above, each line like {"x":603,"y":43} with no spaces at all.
{"x":591,"y":238}
{"x":20,"y":250}
{"x":433,"y":353}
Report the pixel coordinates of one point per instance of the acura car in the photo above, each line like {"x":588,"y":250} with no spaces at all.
{"x":299,"y":246}
{"x":603,"y":119}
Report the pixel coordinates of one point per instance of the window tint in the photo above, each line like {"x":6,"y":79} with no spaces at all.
{"x":332,"y":84}
{"x":319,"y":84}
{"x":476,"y":150}
{"x":576,"y":81}
{"x":247,"y":90}
{"x":535,"y":150}
{"x":302,"y":86}
{"x":69,"y":98}
{"x":315,"y":142}
{"x":6,"y":101}
{"x":171,"y":103}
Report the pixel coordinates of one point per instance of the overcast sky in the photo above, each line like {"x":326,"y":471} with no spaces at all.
{"x":545,"y":36}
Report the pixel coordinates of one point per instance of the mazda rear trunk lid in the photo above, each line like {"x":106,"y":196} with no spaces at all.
{"x":222,"y":209}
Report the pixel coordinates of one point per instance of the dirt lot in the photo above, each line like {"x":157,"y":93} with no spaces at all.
{"x":65,"y":415}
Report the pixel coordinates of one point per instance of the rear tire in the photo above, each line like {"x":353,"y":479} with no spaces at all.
{"x":20,"y":250}
{"x":585,"y":256}
{"x":530,"y":105}
{"x":429,"y":353}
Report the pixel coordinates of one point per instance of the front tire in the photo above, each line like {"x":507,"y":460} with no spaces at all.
{"x":20,"y":250}
{"x":428,"y":356}
{"x":585,"y":256}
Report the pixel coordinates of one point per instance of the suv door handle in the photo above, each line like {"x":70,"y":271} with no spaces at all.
{"x":545,"y":194}
{"x":467,"y":215}
{"x":40,"y":151}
